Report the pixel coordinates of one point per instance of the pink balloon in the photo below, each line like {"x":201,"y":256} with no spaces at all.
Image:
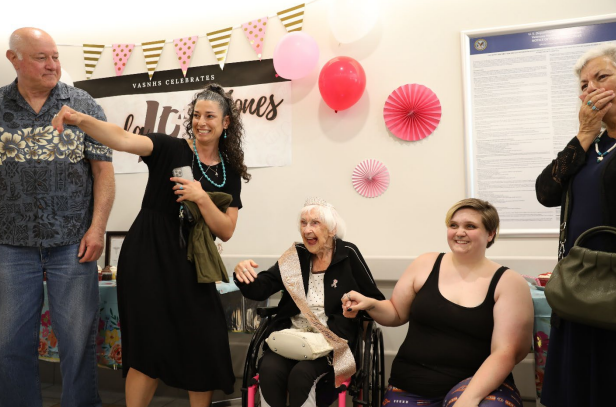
{"x":296,"y":55}
{"x":342,"y":82}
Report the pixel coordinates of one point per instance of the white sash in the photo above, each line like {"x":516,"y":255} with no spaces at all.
{"x":291,"y":273}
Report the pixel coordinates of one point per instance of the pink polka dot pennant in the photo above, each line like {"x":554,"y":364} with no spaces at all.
{"x":121,"y":53}
{"x":184,"y":48}
{"x":255,"y":33}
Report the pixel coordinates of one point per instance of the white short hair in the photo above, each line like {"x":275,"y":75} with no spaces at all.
{"x":328,"y":215}
{"x":15,"y":42}
{"x":605,"y":50}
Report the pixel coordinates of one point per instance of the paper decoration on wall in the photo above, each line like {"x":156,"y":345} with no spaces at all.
{"x":292,"y":18}
{"x":91,"y":55}
{"x":220,"y":40}
{"x":184,"y":48}
{"x":151,"y":52}
{"x":370,"y":178}
{"x":255,"y":32}
{"x":412,"y":112}
{"x":121,"y":53}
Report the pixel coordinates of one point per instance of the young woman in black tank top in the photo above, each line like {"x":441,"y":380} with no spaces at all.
{"x":470,"y":319}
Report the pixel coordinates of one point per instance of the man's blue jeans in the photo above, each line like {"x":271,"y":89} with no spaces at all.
{"x":73,"y":306}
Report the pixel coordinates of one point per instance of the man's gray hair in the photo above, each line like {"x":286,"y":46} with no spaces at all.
{"x":15,"y":42}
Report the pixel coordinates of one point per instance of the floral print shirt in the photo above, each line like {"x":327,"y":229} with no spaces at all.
{"x":45,"y":177}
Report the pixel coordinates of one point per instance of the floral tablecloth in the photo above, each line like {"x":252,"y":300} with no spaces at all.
{"x":108,"y":346}
{"x":541,"y":334}
{"x":240,"y":313}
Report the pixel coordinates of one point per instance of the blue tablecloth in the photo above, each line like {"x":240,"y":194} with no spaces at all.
{"x":541,"y":334}
{"x":240,"y":314}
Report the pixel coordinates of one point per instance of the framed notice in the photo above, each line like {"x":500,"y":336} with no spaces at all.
{"x":520,"y":109}
{"x":113,"y":244}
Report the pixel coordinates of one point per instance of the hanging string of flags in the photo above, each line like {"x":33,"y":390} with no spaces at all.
{"x":255,"y":33}
{"x":121,"y":53}
{"x":292,"y":18}
{"x":220,"y":40}
{"x":184,"y":48}
{"x":91,"y":55}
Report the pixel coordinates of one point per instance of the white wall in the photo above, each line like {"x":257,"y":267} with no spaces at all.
{"x":414,"y":42}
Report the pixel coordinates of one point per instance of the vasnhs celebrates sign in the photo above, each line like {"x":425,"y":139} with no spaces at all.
{"x":142,"y":106}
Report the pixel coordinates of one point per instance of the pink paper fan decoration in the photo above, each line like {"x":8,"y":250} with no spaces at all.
{"x":412,"y":112}
{"x":370,"y":178}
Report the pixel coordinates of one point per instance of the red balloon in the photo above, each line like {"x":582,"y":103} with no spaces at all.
{"x":342,"y":82}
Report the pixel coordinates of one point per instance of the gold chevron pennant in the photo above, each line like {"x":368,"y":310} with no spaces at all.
{"x":91,"y":55}
{"x":220,"y":40}
{"x":292,"y":18}
{"x":151,"y":52}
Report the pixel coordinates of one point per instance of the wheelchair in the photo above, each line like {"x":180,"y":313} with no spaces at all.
{"x":366,"y":387}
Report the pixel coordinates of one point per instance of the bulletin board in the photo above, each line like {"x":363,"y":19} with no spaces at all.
{"x":520,"y":109}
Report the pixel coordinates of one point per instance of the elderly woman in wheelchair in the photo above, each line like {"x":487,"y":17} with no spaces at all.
{"x":314,"y":276}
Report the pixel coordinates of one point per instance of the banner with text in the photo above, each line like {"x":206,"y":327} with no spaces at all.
{"x":143,"y":106}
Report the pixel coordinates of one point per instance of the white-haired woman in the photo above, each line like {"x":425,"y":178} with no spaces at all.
{"x":329,"y":267}
{"x":580,"y":364}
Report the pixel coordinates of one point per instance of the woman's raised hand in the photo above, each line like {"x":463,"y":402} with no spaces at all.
{"x":245,"y":271}
{"x":66,"y":115}
{"x":594,"y":107}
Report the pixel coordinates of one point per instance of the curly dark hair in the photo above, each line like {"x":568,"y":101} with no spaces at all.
{"x":231,"y":146}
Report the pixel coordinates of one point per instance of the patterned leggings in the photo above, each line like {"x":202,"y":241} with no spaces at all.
{"x":507,"y":395}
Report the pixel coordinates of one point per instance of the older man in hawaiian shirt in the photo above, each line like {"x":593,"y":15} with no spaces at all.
{"x":56,"y":192}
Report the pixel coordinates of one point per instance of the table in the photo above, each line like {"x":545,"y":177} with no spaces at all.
{"x":240,"y":314}
{"x":541,"y":334}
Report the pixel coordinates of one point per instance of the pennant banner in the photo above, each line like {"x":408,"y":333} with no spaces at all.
{"x":220,"y":40}
{"x":151,"y":52}
{"x":121,"y":53}
{"x":292,"y":18}
{"x":91,"y":55}
{"x":255,"y":32}
{"x":184,"y":47}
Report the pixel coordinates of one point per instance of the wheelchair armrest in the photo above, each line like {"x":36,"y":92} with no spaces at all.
{"x":267,"y":311}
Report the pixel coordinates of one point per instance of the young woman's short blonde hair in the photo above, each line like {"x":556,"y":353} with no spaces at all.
{"x":489,"y":215}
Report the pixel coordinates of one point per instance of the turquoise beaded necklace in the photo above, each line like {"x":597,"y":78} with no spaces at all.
{"x":224,"y":173}
{"x":600,"y":154}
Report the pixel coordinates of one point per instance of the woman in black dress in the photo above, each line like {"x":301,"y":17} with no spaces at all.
{"x":174,"y":328}
{"x":580,"y":363}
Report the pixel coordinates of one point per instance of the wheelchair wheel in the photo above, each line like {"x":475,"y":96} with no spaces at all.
{"x":255,"y":350}
{"x":357,"y":381}
{"x":378,"y":368}
{"x":363,"y":375}
{"x":366,"y":393}
{"x":370,"y":377}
